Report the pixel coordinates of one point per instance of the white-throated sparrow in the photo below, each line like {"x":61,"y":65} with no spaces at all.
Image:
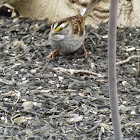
{"x":67,"y":35}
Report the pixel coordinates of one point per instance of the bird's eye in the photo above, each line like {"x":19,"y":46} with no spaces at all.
{"x":55,"y":33}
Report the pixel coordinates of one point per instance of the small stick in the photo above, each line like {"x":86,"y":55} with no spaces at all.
{"x":2,"y":108}
{"x":127,"y":60}
{"x":73,"y":71}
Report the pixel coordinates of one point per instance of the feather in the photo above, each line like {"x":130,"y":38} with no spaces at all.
{"x":89,"y":8}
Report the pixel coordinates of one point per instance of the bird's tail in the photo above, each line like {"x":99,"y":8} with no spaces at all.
{"x":89,"y":8}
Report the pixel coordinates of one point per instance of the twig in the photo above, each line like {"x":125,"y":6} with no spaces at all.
{"x":73,"y":71}
{"x":7,"y":82}
{"x":23,"y":54}
{"x":128,"y":59}
{"x":138,"y":73}
{"x":2,"y":108}
{"x":30,"y":112}
{"x":89,"y":130}
{"x":131,"y":124}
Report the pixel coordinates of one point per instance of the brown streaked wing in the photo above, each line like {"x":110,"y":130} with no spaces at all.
{"x":77,"y":24}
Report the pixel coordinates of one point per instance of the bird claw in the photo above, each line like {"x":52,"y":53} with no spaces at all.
{"x":52,"y":54}
{"x":85,"y":51}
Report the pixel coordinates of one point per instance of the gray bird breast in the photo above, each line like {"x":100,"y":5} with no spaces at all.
{"x":66,"y":45}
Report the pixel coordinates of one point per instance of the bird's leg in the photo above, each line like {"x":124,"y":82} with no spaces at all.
{"x":52,"y":54}
{"x":85,"y":51}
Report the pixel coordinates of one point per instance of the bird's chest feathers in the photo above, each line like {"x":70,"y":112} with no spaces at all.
{"x":58,"y":37}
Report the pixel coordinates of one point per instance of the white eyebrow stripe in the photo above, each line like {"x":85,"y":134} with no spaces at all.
{"x":63,"y":25}
{"x":55,"y":25}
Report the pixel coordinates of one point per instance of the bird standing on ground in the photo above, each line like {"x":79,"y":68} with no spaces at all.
{"x":67,"y":36}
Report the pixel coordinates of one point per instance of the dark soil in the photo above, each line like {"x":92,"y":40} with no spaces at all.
{"x":40,"y":102}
